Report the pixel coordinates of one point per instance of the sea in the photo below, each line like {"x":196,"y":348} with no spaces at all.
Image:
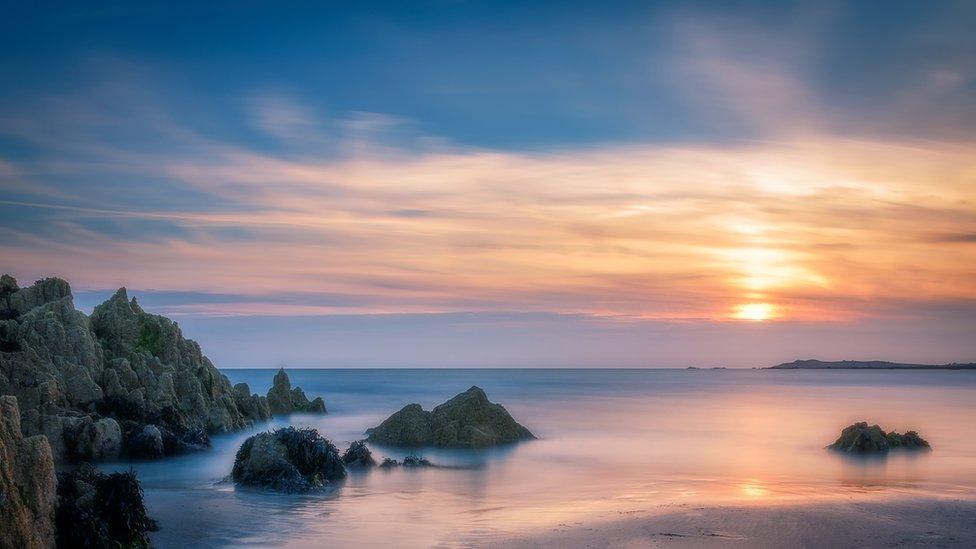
{"x":610,"y":443}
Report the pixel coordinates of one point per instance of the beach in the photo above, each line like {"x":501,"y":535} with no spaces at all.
{"x":897,"y":523}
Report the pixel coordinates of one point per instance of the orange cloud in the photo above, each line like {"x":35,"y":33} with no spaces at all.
{"x":816,"y":228}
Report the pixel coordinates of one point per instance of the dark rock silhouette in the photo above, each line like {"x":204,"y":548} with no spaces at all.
{"x":27,"y":484}
{"x":468,"y":420}
{"x":283,"y":400}
{"x":411,"y":460}
{"x":99,"y":510}
{"x":860,"y":438}
{"x":288,"y":460}
{"x":358,"y":455}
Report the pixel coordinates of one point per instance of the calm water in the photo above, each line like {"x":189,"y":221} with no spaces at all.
{"x":611,"y":442}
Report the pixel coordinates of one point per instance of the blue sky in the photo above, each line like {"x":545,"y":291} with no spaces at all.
{"x":617,"y":171}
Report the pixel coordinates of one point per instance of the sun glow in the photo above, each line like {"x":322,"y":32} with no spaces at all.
{"x":757,"y":312}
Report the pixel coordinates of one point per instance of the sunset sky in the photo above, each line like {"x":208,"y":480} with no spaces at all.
{"x":494,"y":184}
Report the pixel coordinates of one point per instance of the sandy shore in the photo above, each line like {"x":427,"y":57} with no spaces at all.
{"x":899,"y":523}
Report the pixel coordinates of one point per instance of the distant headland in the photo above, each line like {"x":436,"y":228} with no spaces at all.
{"x":811,"y":364}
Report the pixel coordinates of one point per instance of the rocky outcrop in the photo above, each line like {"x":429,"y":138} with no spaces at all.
{"x":99,"y":510}
{"x":358,"y":455}
{"x":288,"y":460}
{"x":251,"y":405}
{"x":860,"y":438}
{"x":27,"y":484}
{"x":468,"y":420}
{"x":103,"y":386}
{"x":283,"y":400}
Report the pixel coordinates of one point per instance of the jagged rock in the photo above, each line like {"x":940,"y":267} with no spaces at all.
{"x":860,"y":438}
{"x":99,"y":510}
{"x":288,"y":460}
{"x":468,"y":420}
{"x":146,"y":442}
{"x":27,"y":481}
{"x":283,"y":400}
{"x":94,"y":440}
{"x":73,"y":375}
{"x":252,"y":405}
{"x":358,"y":455}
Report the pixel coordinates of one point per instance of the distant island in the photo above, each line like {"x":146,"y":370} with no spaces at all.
{"x":867,"y":365}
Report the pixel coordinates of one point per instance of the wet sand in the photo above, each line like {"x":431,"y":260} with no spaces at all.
{"x":897,"y":523}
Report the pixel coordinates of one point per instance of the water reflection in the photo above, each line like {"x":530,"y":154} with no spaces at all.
{"x":611,"y":442}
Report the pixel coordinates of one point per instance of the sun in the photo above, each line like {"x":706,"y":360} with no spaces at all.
{"x":757,"y":312}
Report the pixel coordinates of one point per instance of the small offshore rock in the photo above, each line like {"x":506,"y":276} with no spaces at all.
{"x":358,"y":455}
{"x":860,"y":438}
{"x":99,"y":510}
{"x":469,"y":420}
{"x":416,"y":461}
{"x":283,"y":399}
{"x":288,"y":460}
{"x":411,"y":460}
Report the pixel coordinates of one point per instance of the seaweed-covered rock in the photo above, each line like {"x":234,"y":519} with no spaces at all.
{"x":860,"y":438}
{"x":283,"y":399}
{"x":288,"y":460}
{"x":908,"y":441}
{"x":27,"y":483}
{"x":411,"y":460}
{"x":469,"y":420}
{"x":358,"y":455}
{"x":99,"y":510}
{"x":78,"y":378}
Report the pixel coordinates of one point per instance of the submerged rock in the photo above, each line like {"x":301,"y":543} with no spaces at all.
{"x":860,"y":438}
{"x":288,"y":460}
{"x":468,"y":420}
{"x":411,"y":460}
{"x":99,"y":510}
{"x":283,"y":400}
{"x":27,"y":484}
{"x":88,"y":383}
{"x":358,"y":455}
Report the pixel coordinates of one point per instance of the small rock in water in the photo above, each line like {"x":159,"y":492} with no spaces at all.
{"x":416,"y":461}
{"x":469,"y":420}
{"x":288,"y":460}
{"x":358,"y":455}
{"x":412,"y":460}
{"x":283,"y":399}
{"x":860,"y":438}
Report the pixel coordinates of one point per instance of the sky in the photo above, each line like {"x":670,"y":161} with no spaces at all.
{"x":503,"y":184}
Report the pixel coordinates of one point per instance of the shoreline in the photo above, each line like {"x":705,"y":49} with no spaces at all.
{"x":901,"y":521}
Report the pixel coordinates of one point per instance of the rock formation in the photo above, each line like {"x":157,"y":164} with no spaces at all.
{"x":288,"y":460}
{"x":117,"y":383}
{"x":283,"y":400}
{"x":468,"y":420}
{"x":99,"y":510}
{"x":27,"y":484}
{"x":860,"y":438}
{"x":358,"y":455}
